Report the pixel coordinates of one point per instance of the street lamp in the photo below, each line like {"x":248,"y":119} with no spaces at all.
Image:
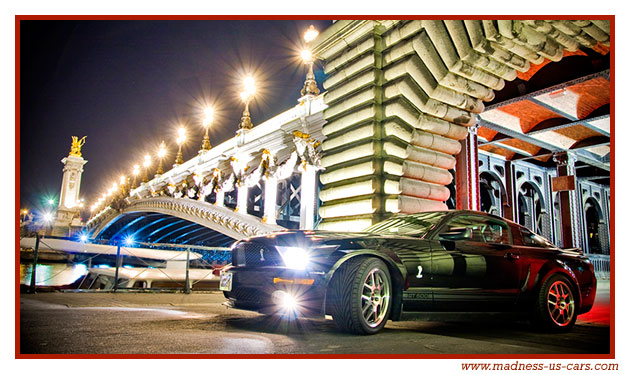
{"x":181,"y":139}
{"x":247,"y":96}
{"x":207,"y":121}
{"x":310,"y":34}
{"x":146,"y":164}
{"x":135,"y":172}
{"x":48,"y":217}
{"x":123,"y":182}
{"x":161,"y":154}
{"x":310,"y":85}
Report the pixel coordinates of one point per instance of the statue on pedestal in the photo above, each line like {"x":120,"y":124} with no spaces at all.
{"x":75,"y":149}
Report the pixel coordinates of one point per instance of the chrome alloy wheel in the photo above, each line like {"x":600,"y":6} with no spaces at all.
{"x":375,"y":297}
{"x":560,"y":303}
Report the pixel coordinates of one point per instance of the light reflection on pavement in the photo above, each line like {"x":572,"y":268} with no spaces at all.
{"x":198,"y":323}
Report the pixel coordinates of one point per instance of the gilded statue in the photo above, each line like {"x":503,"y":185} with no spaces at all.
{"x":75,"y":149}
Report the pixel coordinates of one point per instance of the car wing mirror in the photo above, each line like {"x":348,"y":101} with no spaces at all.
{"x":460,"y":233}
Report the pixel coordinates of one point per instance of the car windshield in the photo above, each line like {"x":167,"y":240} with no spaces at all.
{"x":415,"y":224}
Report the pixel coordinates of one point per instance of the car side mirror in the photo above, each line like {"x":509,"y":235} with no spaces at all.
{"x":463,"y":233}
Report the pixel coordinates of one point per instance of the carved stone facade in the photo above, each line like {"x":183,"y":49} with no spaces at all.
{"x":401,"y":96}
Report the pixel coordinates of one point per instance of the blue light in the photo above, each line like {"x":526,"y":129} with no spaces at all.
{"x":83,"y":238}
{"x":127,"y":266}
{"x":129,"y":240}
{"x":103,"y":266}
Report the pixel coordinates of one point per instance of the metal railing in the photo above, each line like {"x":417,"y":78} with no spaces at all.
{"x":601,"y":264}
{"x":173,"y":267}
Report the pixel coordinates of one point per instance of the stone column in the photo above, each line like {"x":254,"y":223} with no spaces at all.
{"x":69,"y":200}
{"x":308,"y":199}
{"x":467,"y":172}
{"x":71,"y":184}
{"x":570,"y":224}
{"x":510,"y":198}
{"x":241,"y":199}
{"x":220,"y":198}
{"x":271,"y":194}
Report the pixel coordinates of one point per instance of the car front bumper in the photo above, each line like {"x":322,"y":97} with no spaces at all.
{"x":276,"y":290}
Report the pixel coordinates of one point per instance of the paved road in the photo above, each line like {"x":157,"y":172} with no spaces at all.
{"x":197,"y":323}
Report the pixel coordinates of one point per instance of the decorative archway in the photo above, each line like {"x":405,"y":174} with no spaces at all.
{"x":595,"y":227}
{"x":532,"y":211}
{"x":491,"y":193}
{"x":220,"y":219}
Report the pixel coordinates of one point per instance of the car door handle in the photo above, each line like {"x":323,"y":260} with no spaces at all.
{"x":512,"y":256}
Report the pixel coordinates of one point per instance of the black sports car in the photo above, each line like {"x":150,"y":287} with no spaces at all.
{"x":434,"y":261}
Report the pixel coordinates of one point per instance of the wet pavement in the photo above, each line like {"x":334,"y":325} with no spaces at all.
{"x":139,"y":323}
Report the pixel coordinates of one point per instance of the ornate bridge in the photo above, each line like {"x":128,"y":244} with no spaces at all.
{"x":260,"y":181}
{"x":198,"y":213}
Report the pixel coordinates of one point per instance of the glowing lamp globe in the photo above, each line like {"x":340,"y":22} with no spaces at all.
{"x":307,"y":56}
{"x":310,"y":34}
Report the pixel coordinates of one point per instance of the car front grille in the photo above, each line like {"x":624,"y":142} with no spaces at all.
{"x":252,"y":254}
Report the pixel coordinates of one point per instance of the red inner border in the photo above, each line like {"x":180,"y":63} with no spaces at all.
{"x":19,"y":355}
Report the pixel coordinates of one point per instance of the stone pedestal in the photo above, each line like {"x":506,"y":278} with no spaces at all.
{"x":67,"y":219}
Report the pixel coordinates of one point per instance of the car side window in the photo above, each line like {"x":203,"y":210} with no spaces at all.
{"x":479,"y":229}
{"x":532,"y":240}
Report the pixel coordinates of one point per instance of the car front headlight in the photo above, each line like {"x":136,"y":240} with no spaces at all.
{"x":294,"y":257}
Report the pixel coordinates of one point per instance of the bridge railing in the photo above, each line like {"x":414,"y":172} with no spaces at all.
{"x":118,"y":266}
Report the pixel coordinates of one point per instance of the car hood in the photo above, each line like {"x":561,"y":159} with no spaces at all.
{"x":312,"y":238}
{"x":345,"y":240}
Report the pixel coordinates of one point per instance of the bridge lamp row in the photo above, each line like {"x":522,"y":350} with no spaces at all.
{"x":249,"y":86}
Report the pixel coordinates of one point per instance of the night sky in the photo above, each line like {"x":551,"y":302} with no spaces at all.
{"x":127,"y":84}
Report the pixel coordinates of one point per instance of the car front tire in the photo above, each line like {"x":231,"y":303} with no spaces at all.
{"x":360,"y":293}
{"x":556,"y":306}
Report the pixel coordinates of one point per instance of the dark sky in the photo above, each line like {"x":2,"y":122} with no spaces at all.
{"x":126,"y":85}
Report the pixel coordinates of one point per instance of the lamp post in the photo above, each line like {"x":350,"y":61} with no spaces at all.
{"x":310,"y":85}
{"x":135,"y":172}
{"x":247,"y":96}
{"x":123,"y":182}
{"x":207,"y":121}
{"x":113,"y":191}
{"x":146,"y":164}
{"x":181,"y":139}
{"x":161,"y":154}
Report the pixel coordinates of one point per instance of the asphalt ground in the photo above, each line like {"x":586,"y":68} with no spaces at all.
{"x":176,"y":323}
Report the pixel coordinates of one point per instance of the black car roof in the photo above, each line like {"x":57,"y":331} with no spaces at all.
{"x":460,"y":211}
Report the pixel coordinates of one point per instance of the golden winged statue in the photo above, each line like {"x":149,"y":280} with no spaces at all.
{"x":75,"y":149}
